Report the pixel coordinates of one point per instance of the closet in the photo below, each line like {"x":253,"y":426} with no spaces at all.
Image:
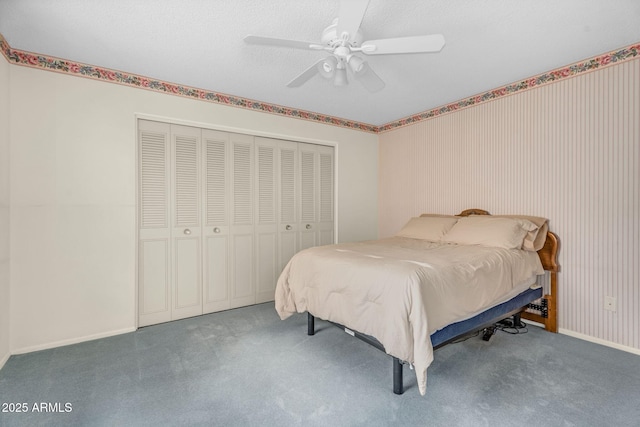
{"x":220,"y":215}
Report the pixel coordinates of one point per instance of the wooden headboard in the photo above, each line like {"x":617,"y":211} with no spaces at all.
{"x":549,"y":258}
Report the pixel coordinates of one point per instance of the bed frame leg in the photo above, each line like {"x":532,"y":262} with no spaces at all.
{"x":397,"y":376}
{"x":517,"y":320}
{"x":311,"y":324}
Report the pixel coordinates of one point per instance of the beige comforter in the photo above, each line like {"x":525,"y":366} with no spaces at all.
{"x":401,"y":290}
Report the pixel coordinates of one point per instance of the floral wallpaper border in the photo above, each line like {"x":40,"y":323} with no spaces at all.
{"x":49,"y":63}
{"x":104,"y":74}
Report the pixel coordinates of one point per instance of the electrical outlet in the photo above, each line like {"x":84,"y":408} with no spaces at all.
{"x":610,"y":303}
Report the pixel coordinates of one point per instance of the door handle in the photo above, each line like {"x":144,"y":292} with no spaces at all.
{"x":187,"y":231}
{"x":216,"y":230}
{"x":308,"y":227}
{"x":288,"y":227}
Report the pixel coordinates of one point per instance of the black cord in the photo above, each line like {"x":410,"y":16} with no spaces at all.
{"x":508,"y":326}
{"x":505,"y":325}
{"x":466,"y":337}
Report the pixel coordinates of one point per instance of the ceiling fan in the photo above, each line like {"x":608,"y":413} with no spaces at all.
{"x":344,"y":40}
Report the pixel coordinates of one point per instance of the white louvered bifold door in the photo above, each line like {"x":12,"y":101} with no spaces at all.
{"x":215,"y":232}
{"x":221,"y":214}
{"x":186,"y":213}
{"x":316,"y":195}
{"x":288,"y":184}
{"x":243,"y":290}
{"x":154,"y":245}
{"x":266,"y":225}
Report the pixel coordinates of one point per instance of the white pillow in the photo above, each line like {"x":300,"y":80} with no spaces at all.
{"x":534,"y":240}
{"x":481,"y":230}
{"x":427,"y":228}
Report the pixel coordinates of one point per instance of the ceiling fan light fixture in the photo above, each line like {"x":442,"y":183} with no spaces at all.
{"x":341,"y":77}
{"x":356,"y":63}
{"x":327,"y":67}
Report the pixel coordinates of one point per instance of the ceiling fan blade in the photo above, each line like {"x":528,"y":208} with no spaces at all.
{"x":303,"y":77}
{"x":369,"y":79}
{"x":416,"y":44}
{"x":350,"y":17}
{"x":272,"y":41}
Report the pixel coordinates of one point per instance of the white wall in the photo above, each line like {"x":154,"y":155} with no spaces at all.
{"x":568,"y":151}
{"x":4,"y":212}
{"x":73,"y":197}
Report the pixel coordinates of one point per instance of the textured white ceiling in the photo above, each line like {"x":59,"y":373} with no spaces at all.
{"x":489,"y":43}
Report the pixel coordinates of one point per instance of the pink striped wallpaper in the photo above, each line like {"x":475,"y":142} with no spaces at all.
{"x":569,"y":151}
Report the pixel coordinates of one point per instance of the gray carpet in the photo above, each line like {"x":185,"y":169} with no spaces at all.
{"x":246,"y":367}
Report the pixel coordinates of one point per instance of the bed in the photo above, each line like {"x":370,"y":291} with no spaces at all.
{"x":440,"y":277}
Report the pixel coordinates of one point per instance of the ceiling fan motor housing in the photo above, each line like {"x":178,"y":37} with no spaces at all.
{"x":331,"y":38}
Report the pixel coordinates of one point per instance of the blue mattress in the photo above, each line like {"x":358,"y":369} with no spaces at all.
{"x":486,"y":318}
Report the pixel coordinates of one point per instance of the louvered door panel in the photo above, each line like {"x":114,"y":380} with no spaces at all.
{"x":154,"y":246}
{"x":215,"y":146}
{"x":266,"y":228}
{"x":326,"y":196}
{"x":308,"y":184}
{"x":153,"y":179}
{"x":186,"y":232}
{"x":242,"y":185}
{"x":266,"y":181}
{"x":241,"y":229}
{"x":288,"y":175}
{"x":288,"y":206}
{"x":326,"y":187}
{"x":187,"y":180}
{"x":308,"y":196}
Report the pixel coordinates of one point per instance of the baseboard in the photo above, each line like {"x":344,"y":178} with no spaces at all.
{"x":4,"y":360}
{"x":591,"y":339}
{"x":599,"y":341}
{"x":78,"y":340}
